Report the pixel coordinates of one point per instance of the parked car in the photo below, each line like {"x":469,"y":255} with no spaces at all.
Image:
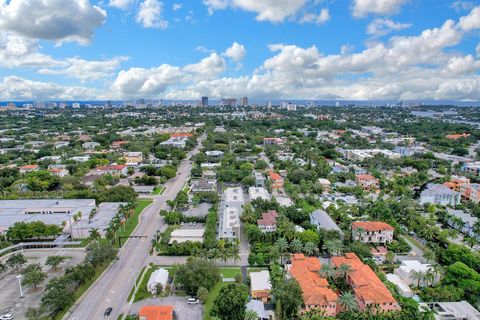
{"x":7,"y":316}
{"x":107,"y":312}
{"x":193,"y":301}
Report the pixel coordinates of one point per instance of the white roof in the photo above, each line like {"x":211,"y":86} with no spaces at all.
{"x":184,"y":235}
{"x":158,"y":276}
{"x":260,"y":280}
{"x":414,"y":265}
{"x":396,"y":280}
{"x":258,"y":192}
{"x":234,"y":195}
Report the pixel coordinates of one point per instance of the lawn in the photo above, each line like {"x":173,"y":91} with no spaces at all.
{"x":255,"y":270}
{"x":132,"y":223}
{"x":211,"y":298}
{"x":158,"y":190}
{"x":230,"y":272}
{"x":139,"y":276}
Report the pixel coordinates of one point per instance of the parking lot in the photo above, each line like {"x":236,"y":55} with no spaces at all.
{"x":11,"y":302}
{"x":182,"y":310}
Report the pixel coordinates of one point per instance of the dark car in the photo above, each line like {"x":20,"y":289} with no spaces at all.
{"x":107,"y":312}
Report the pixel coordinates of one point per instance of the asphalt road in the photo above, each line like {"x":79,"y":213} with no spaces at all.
{"x":113,"y":287}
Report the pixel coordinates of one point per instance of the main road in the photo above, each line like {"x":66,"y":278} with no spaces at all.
{"x":114,"y":285}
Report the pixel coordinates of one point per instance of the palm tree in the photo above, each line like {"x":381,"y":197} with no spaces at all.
{"x":470,"y":241}
{"x":251,"y":315}
{"x":417,"y":276}
{"x":282,"y":245}
{"x":234,"y":252}
{"x":296,"y":245}
{"x":348,"y":302}
{"x":437,"y":271}
{"x":344,"y":270}
{"x":326,"y":271}
{"x":427,"y":314}
{"x":358,"y":233}
{"x":334,"y":247}
{"x":94,"y":235}
{"x":310,"y":248}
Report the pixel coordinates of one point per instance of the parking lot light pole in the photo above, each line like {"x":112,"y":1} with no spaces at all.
{"x":19,"y":277}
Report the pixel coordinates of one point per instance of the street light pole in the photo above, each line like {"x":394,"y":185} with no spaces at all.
{"x":19,"y":277}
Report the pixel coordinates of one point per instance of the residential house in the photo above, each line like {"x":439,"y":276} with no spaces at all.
{"x":326,"y":184}
{"x":372,"y":231}
{"x":59,"y":172}
{"x":230,"y":211}
{"x":259,"y":308}
{"x":316,"y":292}
{"x":90,"y":145}
{"x":118,"y":144}
{"x":457,"y":136}
{"x":204,"y":185}
{"x":461,"y":310}
{"x":462,"y":221}
{"x":133,"y":157}
{"x":470,"y":192}
{"x":114,"y":170}
{"x":439,"y":194}
{"x":369,"y":290}
{"x":379,"y":253}
{"x":456,"y":183}
{"x":258,"y":193}
{"x":29,"y":168}
{"x":214,"y":155}
{"x":367,"y":181}
{"x":156,"y":313}
{"x":277,"y":180}
{"x":158,"y":277}
{"x":408,"y":270}
{"x":260,"y":285}
{"x":259,"y":179}
{"x":323,"y":221}
{"x":272,"y":141}
{"x":268,"y":222}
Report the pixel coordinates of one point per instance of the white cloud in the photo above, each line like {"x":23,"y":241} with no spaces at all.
{"x":177,"y":6}
{"x":362,"y":8}
{"x":150,"y":14}
{"x":266,"y":10}
{"x":460,"y":5}
{"x":18,"y":51}
{"x":236,"y":52}
{"x":58,"y":20}
{"x":471,"y":21}
{"x":320,"y":18}
{"x":208,"y":67}
{"x":381,"y":27}
{"x":86,"y":69}
{"x":17,"y":88}
{"x":120,"y":4}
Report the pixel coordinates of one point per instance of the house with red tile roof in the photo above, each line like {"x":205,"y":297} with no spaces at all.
{"x":456,"y":183}
{"x":156,"y":313}
{"x":181,"y":135}
{"x":367,"y":181}
{"x":114,"y":170}
{"x":272,"y":141}
{"x":29,"y":168}
{"x":372,"y":231}
{"x":277,"y":180}
{"x":118,"y":144}
{"x":315,"y":289}
{"x":369,"y":290}
{"x":268,"y":223}
{"x":457,"y":136}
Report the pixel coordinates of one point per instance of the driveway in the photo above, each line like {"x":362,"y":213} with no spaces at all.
{"x":182,"y":310}
{"x":415,"y":254}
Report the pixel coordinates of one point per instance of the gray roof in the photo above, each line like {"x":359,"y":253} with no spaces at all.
{"x":258,"y":307}
{"x":324,"y":220}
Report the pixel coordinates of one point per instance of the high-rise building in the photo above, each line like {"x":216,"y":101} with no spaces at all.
{"x":230,"y":102}
{"x":39,"y":104}
{"x":76,"y":105}
{"x":269,"y":105}
{"x":244,"y":102}
{"x":204,"y":101}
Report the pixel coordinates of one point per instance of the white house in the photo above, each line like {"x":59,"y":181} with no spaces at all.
{"x":159,"y":276}
{"x":409,"y":268}
{"x":439,"y":194}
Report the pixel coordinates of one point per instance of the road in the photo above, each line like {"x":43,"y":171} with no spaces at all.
{"x":113,"y":287}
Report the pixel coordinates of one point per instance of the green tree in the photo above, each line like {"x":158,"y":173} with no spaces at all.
{"x":251,"y":315}
{"x":196,"y":273}
{"x":202,"y":294}
{"x":230,"y":302}
{"x":54,"y":261}
{"x":33,"y":275}
{"x":348,"y":302}
{"x":289,"y":296}
{"x":16,"y":261}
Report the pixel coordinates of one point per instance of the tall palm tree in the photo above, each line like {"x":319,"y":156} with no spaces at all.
{"x":296,"y":245}
{"x":427,"y":313}
{"x":94,"y":235}
{"x":310,"y":248}
{"x":344,"y":269}
{"x":471,"y":242}
{"x":334,"y":247}
{"x":417,"y":276}
{"x":282,"y":245}
{"x":348,"y":302}
{"x":326,"y":271}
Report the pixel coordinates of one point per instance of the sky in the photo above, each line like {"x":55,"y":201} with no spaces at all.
{"x":263,"y":49}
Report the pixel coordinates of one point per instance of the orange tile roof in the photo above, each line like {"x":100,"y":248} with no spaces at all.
{"x":29,"y":166}
{"x":180,"y":135}
{"x":372,"y":225}
{"x":115,"y":167}
{"x":315,"y":288}
{"x":457,"y":136}
{"x":274,"y":176}
{"x":365,"y":177}
{"x":365,"y":283}
{"x":156,"y":312}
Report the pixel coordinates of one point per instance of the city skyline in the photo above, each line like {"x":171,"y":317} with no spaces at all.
{"x":179,"y":50}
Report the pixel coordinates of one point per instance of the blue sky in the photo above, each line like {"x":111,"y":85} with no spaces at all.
{"x":305,"y":49}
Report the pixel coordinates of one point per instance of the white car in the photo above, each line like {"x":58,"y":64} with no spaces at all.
{"x":7,"y":316}
{"x":193,"y":301}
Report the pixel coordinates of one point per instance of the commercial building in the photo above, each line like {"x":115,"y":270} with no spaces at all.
{"x":369,"y":290}
{"x":184,"y":235}
{"x":372,"y":231}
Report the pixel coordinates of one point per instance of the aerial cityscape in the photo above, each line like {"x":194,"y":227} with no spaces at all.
{"x":239,"y":160}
